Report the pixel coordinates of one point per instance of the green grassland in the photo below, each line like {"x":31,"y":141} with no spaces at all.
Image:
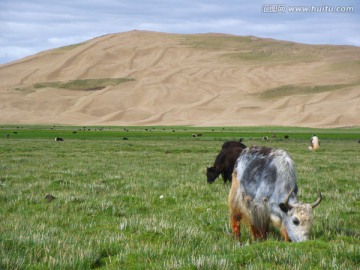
{"x":291,"y":90}
{"x":137,"y":198}
{"x":77,"y":85}
{"x":253,"y":50}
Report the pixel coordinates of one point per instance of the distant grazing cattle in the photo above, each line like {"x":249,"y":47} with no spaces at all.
{"x":265,"y":138}
{"x":58,"y":139}
{"x":232,"y":144}
{"x":263,"y":193}
{"x":286,"y":136}
{"x":224,"y":164}
{"x":314,"y":143}
{"x":49,"y":197}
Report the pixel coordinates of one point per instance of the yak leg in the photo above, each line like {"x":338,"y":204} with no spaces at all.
{"x":235,"y":211}
{"x":258,"y":233}
{"x":223,"y":175}
{"x":235,"y":219}
{"x":228,"y":176}
{"x":225,"y":178}
{"x":284,"y":234}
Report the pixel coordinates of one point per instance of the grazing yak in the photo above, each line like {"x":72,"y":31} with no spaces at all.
{"x":314,"y":143}
{"x":263,"y":193}
{"x":224,"y":162}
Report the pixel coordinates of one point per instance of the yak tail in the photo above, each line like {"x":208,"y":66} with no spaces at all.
{"x":259,"y":216}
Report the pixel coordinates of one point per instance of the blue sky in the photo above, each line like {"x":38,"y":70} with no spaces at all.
{"x":31,"y":26}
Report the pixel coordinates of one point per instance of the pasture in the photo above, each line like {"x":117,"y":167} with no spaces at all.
{"x":143,"y":202}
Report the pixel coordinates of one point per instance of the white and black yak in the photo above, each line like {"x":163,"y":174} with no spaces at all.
{"x":263,"y":194}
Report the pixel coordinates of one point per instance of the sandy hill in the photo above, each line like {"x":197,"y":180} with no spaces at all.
{"x":147,"y":78}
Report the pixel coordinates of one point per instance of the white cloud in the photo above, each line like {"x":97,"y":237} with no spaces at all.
{"x":15,"y":52}
{"x":353,"y":41}
{"x":62,"y":41}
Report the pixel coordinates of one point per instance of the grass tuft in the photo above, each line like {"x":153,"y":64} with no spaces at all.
{"x":83,"y":85}
{"x":291,"y":90}
{"x":76,"y":85}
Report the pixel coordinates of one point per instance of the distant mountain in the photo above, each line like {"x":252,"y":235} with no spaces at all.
{"x":148,"y":78}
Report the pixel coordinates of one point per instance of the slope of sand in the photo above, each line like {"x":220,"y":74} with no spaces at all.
{"x":202,"y":80}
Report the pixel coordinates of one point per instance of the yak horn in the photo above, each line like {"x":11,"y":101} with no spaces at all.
{"x":286,"y":202}
{"x":318,"y":200}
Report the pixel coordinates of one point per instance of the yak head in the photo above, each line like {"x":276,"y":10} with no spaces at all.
{"x":298,"y":219}
{"x":211,"y":174}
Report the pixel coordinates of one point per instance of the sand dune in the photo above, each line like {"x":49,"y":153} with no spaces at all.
{"x":202,"y":80}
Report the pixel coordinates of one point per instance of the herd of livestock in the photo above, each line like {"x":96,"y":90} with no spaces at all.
{"x":263,"y":190}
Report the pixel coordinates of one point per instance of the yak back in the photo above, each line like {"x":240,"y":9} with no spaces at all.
{"x":266,"y":173}
{"x":232,"y":144}
{"x":227,"y":158}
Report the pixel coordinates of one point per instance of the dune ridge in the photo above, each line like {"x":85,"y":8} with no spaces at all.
{"x":200,"y":80}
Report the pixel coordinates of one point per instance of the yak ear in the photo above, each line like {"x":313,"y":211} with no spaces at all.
{"x":283,"y":207}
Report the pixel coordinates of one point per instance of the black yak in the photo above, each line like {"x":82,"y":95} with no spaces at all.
{"x":224,"y":162}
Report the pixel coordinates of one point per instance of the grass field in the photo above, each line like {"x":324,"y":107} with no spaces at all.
{"x":77,"y":85}
{"x":130,"y":198}
{"x":290,"y":90}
